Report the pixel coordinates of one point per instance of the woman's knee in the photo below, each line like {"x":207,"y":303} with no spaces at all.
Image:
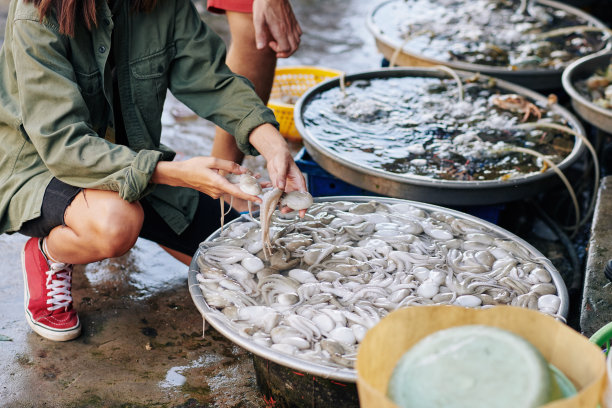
{"x":120,"y":227}
{"x":111,"y":224}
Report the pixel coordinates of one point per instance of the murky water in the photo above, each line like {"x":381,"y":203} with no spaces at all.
{"x":425,"y":126}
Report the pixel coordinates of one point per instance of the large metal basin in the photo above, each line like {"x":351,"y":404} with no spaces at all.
{"x":327,"y":372}
{"x":537,"y":79}
{"x":442,"y":192}
{"x":581,"y":69}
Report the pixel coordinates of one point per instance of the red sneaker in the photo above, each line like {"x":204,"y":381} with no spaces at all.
{"x":48,"y":301}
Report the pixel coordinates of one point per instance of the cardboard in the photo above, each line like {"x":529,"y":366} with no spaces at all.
{"x":581,"y":361}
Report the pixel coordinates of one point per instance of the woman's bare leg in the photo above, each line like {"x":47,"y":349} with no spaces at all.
{"x":99,"y":225}
{"x":245,"y":59}
{"x":258,"y":66}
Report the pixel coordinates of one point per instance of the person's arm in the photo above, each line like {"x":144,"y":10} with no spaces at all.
{"x":276,"y":27}
{"x":55,"y":118}
{"x":282,"y":169}
{"x":202,"y":174}
{"x":201,"y":80}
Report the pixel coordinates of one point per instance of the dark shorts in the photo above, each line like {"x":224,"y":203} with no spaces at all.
{"x":59,"y":195}
{"x":57,"y":198}
{"x":221,"y":6}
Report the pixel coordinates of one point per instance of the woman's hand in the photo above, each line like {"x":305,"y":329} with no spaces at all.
{"x":283,"y":171}
{"x":202,"y":174}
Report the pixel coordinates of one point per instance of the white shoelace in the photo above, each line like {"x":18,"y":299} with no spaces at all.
{"x":59,"y":288}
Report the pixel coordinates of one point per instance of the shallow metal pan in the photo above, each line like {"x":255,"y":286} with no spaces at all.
{"x":581,"y":69}
{"x":345,"y":374}
{"x":537,"y":79}
{"x":442,"y":192}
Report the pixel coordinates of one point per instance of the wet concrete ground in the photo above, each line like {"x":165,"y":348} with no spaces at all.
{"x":142,"y":342}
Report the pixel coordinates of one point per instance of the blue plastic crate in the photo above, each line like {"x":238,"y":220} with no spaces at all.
{"x":323,"y":184}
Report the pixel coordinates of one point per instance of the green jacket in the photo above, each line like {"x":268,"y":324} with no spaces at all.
{"x":56,"y":110}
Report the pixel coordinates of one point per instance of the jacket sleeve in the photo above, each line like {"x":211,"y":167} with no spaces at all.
{"x":56,"y":120}
{"x":200,"y":79}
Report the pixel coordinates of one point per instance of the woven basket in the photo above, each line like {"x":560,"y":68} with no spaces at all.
{"x":570,"y":352}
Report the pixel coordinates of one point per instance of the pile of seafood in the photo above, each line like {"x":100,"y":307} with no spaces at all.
{"x":336,"y":272}
{"x":436,"y":128}
{"x":598,"y":87}
{"x":490,"y":32}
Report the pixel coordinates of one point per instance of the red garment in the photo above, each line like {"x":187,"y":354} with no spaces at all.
{"x":221,"y":6}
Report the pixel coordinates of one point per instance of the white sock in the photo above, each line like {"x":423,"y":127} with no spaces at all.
{"x":45,"y":251}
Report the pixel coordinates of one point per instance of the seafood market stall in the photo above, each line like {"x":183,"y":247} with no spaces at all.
{"x":448,"y":138}
{"x":588,"y":81}
{"x":338,"y":271}
{"x":528,"y":43}
{"x":450,"y":133}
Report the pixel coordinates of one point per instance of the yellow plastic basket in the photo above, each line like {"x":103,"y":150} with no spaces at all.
{"x":289,"y":84}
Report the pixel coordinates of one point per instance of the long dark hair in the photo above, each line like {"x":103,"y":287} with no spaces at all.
{"x":70,"y":11}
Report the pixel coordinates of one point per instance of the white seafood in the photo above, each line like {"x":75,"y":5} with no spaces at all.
{"x":269,"y":202}
{"x":336,"y":272}
{"x":297,"y":200}
{"x":302,"y":275}
{"x":549,"y":304}
{"x":249,"y":184}
{"x":468,"y":301}
{"x":252,"y":264}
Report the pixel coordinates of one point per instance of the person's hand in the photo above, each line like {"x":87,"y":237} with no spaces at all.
{"x":276,"y":27}
{"x":286,"y":175}
{"x":283,"y":171}
{"x":203,"y":174}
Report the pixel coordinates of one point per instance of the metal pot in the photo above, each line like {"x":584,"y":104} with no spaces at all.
{"x":581,"y":69}
{"x":442,"y":192}
{"x":538,"y":79}
{"x":344,"y":375}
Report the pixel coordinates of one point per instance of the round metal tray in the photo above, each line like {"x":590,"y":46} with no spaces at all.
{"x":443,"y":192}
{"x":344,"y":374}
{"x":538,"y":79}
{"x":581,"y":69}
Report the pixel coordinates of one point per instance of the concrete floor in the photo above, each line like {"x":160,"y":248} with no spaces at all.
{"x":142,"y":342}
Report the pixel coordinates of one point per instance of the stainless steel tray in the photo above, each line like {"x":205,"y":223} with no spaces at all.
{"x":538,"y":79}
{"x":442,"y":192}
{"x":344,"y":374}
{"x":582,"y":69}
